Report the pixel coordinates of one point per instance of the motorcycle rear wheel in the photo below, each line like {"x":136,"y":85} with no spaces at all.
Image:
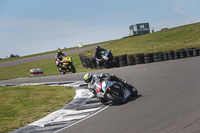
{"x":103,"y":101}
{"x":73,"y":69}
{"x":106,"y":64}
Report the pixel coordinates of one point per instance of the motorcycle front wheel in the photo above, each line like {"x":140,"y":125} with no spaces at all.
{"x":116,"y":99}
{"x":133,"y":90}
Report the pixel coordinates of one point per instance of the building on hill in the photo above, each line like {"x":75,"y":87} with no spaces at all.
{"x":139,"y":29}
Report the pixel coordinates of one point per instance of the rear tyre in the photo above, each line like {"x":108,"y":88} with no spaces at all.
{"x":102,"y":100}
{"x":106,"y":65}
{"x":73,"y":69}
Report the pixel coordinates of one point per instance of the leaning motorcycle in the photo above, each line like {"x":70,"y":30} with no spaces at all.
{"x":66,"y":65}
{"x":114,"y":91}
{"x":107,"y":60}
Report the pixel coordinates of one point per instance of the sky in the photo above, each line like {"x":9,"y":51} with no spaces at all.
{"x":35,"y":26}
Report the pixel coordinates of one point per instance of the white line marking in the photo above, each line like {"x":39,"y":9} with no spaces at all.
{"x":81,"y":120}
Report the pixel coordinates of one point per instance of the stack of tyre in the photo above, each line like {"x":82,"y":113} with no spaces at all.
{"x":134,"y":59}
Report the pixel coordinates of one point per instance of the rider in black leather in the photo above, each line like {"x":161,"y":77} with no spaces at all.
{"x":97,"y":53}
{"x":60,"y":54}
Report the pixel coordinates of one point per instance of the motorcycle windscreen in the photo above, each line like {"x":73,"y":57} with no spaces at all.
{"x":127,"y":93}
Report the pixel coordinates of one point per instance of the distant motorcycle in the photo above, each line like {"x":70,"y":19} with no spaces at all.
{"x":107,"y":60}
{"x":65,"y":65}
{"x":114,"y":91}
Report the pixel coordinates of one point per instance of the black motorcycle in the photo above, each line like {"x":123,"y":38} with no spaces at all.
{"x":107,"y":60}
{"x":114,"y":91}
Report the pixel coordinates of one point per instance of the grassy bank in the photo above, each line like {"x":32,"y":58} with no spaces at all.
{"x":48,"y":65}
{"x":171,"y":39}
{"x":20,"y":106}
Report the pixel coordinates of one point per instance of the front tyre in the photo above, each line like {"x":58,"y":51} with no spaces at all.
{"x":133,"y":90}
{"x":116,"y":99}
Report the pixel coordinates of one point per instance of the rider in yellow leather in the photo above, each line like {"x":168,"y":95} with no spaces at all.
{"x":65,"y":62}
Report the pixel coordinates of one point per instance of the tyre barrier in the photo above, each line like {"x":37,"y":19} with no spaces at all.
{"x":139,"y":58}
{"x":93,"y":62}
{"x":171,"y":55}
{"x":116,"y":58}
{"x":38,"y":71}
{"x":189,"y":52}
{"x":165,"y":56}
{"x":148,"y":58}
{"x":135,"y":59}
{"x":177,"y":54}
{"x":195,"y":52}
{"x":130,"y":60}
{"x":123,"y":60}
{"x":183,"y":54}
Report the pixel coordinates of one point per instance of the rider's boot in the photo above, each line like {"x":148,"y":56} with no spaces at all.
{"x":97,"y":63}
{"x":66,"y":68}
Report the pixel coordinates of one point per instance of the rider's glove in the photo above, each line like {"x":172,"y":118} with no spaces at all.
{"x":100,"y":94}
{"x":101,"y":75}
{"x":105,"y":58}
{"x":124,"y":82}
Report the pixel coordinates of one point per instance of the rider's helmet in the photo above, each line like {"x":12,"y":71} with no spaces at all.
{"x":97,"y":48}
{"x":59,"y":51}
{"x":88,"y":78}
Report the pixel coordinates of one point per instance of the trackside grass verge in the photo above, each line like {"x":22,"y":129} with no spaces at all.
{"x":48,"y":65}
{"x":20,"y":106}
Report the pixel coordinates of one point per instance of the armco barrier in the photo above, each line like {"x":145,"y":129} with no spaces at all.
{"x":134,"y":59}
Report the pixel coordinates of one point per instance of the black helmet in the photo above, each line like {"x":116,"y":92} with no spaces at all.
{"x":97,"y":48}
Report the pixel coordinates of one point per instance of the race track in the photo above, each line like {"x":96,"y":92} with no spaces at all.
{"x":42,"y":57}
{"x":169,"y":99}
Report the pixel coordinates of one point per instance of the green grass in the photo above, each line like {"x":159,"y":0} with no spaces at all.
{"x":48,"y":65}
{"x":20,"y":106}
{"x":172,"y":39}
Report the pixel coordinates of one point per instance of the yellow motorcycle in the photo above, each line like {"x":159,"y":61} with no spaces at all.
{"x":66,"y":65}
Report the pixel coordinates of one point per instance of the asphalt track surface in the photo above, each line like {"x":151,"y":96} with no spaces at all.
{"x":169,"y":99}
